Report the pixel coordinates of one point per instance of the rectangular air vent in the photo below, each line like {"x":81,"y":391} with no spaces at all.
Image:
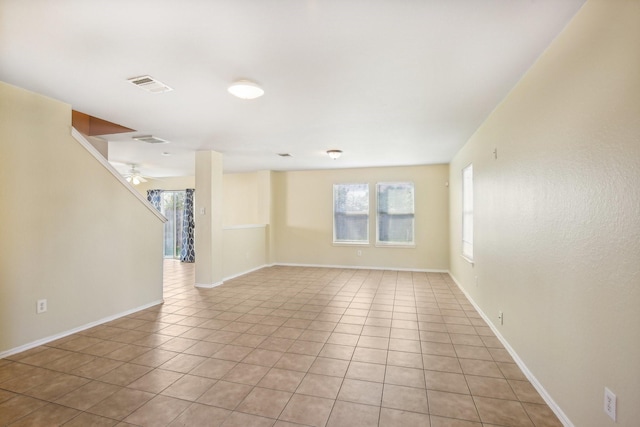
{"x":149,"y":84}
{"x":149,"y":139}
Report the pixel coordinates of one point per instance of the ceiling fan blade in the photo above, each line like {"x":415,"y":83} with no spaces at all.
{"x":141,"y":179}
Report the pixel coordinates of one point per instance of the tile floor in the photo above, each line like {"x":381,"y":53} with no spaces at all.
{"x":282,"y":346}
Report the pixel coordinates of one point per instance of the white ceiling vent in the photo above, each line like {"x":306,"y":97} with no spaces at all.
{"x":149,"y":139}
{"x":149,"y":84}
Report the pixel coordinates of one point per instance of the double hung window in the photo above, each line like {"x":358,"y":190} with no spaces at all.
{"x":467,"y":212}
{"x":351,"y":213}
{"x":395,"y":214}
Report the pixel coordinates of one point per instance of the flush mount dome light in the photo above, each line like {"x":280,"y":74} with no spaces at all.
{"x":334,"y":154}
{"x":245,"y":89}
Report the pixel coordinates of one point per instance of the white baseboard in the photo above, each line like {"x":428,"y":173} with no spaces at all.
{"x":55,"y":337}
{"x":213,"y":285}
{"x":245,"y":272}
{"x":358,"y":267}
{"x":532,"y":379}
{"x":208,"y":285}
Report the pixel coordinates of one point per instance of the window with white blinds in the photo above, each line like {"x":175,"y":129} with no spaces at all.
{"x":395,"y":219}
{"x":351,"y":213}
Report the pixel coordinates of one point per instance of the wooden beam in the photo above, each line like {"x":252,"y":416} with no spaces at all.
{"x":93,"y":126}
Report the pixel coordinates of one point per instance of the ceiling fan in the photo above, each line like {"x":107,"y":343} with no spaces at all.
{"x":133,"y":175}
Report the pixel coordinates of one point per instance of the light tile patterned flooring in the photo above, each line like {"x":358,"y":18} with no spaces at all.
{"x":282,"y":346}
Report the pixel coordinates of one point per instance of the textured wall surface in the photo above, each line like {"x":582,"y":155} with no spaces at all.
{"x":71,"y":232}
{"x":557,"y":215}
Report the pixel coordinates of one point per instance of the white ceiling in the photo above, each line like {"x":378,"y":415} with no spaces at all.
{"x":389,"y":82}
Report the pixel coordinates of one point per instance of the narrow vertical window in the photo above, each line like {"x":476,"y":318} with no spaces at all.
{"x":395,"y":219}
{"x":351,"y":213}
{"x":467,"y":212}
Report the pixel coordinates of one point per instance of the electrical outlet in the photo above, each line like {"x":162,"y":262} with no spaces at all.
{"x":41,"y":306}
{"x":501,"y":317}
{"x":359,"y":252}
{"x":610,"y":403}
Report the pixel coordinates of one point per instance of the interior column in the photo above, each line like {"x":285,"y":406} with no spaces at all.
{"x":208,"y":219}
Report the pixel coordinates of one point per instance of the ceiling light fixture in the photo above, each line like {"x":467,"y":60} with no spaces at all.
{"x":334,"y":154}
{"x":245,"y":89}
{"x":133,"y":176}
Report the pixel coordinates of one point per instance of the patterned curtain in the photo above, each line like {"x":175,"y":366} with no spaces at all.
{"x":155,"y":197}
{"x":188,"y":252}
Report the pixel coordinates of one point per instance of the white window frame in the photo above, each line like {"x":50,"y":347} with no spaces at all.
{"x":412,"y":241}
{"x":467,"y":213}
{"x":337,"y":241}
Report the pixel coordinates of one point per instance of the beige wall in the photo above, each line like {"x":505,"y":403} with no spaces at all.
{"x":303,"y":218}
{"x":244,"y":249}
{"x":71,"y":232}
{"x":242,"y":195}
{"x":296,"y":209}
{"x":241,"y":201}
{"x":557,"y":215}
{"x":246,"y":201}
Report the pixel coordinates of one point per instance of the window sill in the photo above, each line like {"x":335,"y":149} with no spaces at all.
{"x":350,"y":244}
{"x":396,"y":245}
{"x":469,"y":260}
